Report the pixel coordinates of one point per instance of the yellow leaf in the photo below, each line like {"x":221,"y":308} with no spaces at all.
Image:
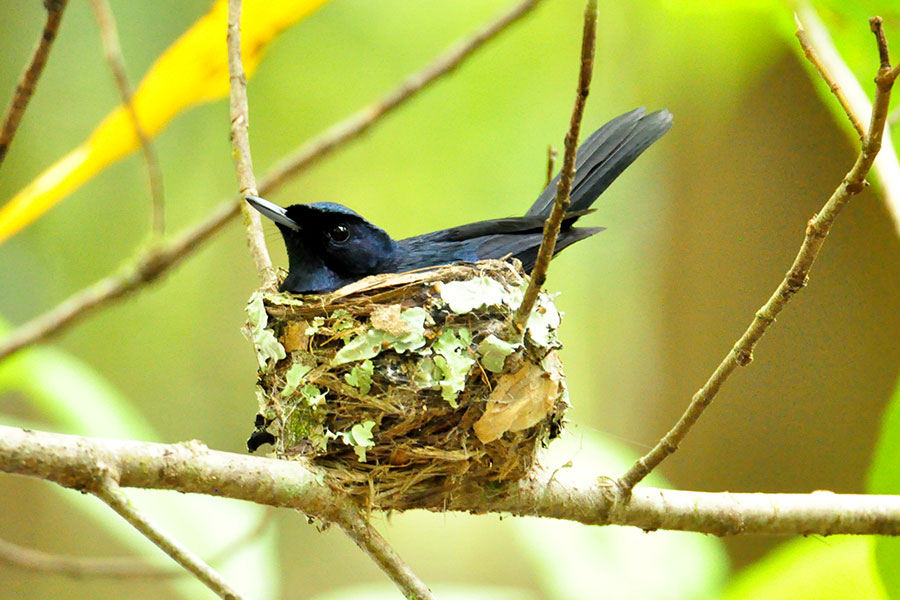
{"x":192,"y":70}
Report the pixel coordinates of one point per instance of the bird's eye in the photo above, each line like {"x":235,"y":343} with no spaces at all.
{"x":339,"y":233}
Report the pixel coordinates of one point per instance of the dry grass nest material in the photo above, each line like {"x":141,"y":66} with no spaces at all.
{"x":410,"y":388}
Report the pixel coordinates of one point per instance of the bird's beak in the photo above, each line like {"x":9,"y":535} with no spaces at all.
{"x":272,"y":211}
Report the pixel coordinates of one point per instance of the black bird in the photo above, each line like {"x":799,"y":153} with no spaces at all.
{"x":329,"y":246}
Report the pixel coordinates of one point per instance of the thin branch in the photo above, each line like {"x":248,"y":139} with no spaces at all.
{"x":28,"y":80}
{"x":240,"y":149}
{"x":158,"y":259}
{"x":823,"y":71}
{"x":551,"y":164}
{"x":106,"y":488}
{"x":119,"y":567}
{"x":150,"y":265}
{"x":78,"y":567}
{"x":109,"y":36}
{"x":359,"y":123}
{"x":884,"y":56}
{"x":72,"y":461}
{"x":358,"y":529}
{"x":858,"y":107}
{"x":554,"y":220}
{"x":795,"y":279}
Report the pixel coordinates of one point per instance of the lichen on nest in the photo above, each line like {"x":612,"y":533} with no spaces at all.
{"x":408,"y":388}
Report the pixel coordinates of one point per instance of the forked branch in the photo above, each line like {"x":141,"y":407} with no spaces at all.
{"x":796,"y":278}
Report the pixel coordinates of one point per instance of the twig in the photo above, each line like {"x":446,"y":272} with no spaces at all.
{"x":77,"y":566}
{"x":554,"y":221}
{"x":359,"y":123}
{"x":158,"y":259}
{"x":884,"y":57}
{"x":358,"y":529}
{"x":858,"y":107}
{"x":119,"y":567}
{"x":823,"y":71}
{"x":150,"y":265}
{"x":795,"y":279}
{"x":551,"y":163}
{"x":71,"y":461}
{"x":240,"y":149}
{"x":349,"y":519}
{"x":107,"y":489}
{"x":109,"y":36}
{"x":29,"y":79}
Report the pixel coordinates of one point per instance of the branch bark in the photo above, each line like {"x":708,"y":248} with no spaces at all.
{"x":358,"y":529}
{"x":72,"y":461}
{"x":106,"y":488}
{"x":240,"y":149}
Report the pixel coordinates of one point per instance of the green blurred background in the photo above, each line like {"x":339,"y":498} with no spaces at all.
{"x":700,"y":230}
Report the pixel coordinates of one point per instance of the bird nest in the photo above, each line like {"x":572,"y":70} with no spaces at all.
{"x":407,"y":389}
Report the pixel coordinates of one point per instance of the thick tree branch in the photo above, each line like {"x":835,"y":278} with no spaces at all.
{"x":159,"y":258}
{"x":561,"y":204}
{"x":109,"y":36}
{"x":72,"y":461}
{"x":29,"y":79}
{"x":240,"y":149}
{"x":796,"y":278}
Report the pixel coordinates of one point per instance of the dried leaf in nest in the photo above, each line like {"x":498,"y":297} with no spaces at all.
{"x":521,"y":399}
{"x":409,"y":388}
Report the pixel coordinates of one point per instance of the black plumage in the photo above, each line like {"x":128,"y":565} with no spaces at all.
{"x":329,"y":245}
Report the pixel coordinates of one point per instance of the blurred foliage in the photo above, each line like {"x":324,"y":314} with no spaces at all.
{"x":700,"y":231}
{"x":833,"y":568}
{"x":192,"y":70}
{"x":884,"y":478}
{"x":611,"y":562}
{"x":75,"y":399}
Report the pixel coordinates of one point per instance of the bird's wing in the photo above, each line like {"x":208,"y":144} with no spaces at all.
{"x":604,"y":155}
{"x":437,"y":249}
{"x":509,"y":225}
{"x":486,"y":228}
{"x":525,"y":247}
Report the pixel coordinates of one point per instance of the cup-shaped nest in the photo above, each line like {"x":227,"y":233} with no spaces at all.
{"x":407,"y":389}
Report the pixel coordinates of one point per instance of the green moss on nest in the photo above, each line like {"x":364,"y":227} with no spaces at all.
{"x":406,"y":388}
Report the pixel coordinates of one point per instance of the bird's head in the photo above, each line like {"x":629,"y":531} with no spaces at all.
{"x":327,"y":244}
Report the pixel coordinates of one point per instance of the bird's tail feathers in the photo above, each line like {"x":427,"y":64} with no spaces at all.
{"x":604,"y":155}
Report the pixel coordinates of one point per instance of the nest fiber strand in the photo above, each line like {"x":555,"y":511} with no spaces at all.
{"x":408,"y":388}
